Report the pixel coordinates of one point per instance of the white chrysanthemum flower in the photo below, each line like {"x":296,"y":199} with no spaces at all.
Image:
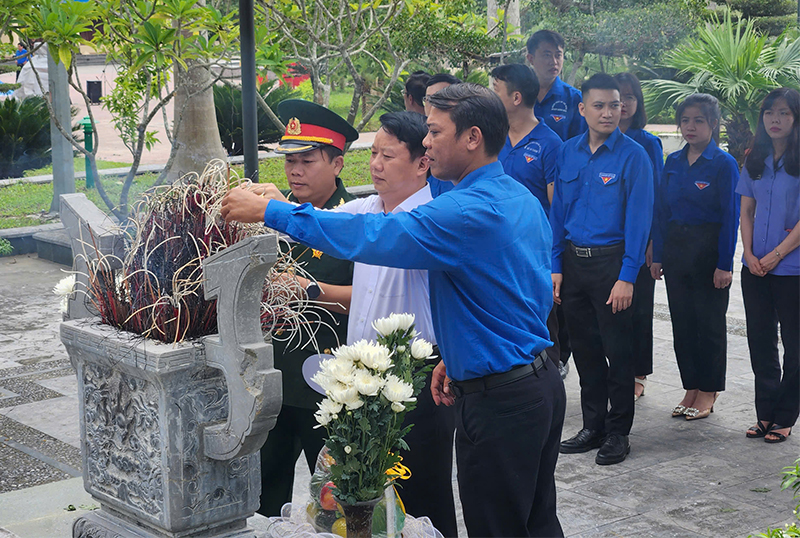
{"x":65,"y":288}
{"x":421,"y":349}
{"x":324,"y":380}
{"x":367,"y":384}
{"x":353,"y":401}
{"x":403,"y":321}
{"x":330,"y":407}
{"x":346,"y":353}
{"x":385,"y":326}
{"x":376,"y":357}
{"x":342,"y":393}
{"x":397,"y":407}
{"x":397,"y":390}
{"x":323,"y":419}
{"x":341,"y":370}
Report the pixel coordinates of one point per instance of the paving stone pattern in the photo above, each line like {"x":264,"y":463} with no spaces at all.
{"x":682,"y":479}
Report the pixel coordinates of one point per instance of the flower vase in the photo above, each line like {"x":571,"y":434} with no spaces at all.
{"x":358,"y":518}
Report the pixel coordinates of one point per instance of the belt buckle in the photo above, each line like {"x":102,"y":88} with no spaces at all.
{"x":456,"y":390}
{"x":583,"y":252}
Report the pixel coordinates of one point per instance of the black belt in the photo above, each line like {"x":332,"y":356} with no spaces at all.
{"x":593,"y":252}
{"x":491,"y":381}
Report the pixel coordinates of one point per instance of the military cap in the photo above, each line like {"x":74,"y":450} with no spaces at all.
{"x":310,"y":126}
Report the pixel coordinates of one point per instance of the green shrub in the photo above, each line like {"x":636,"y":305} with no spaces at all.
{"x":5,"y":247}
{"x":306,"y":90}
{"x":763,"y":8}
{"x":24,"y":135}
{"x":775,"y":25}
{"x":228,"y":105}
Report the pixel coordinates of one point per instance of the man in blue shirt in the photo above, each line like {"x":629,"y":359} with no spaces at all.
{"x":558,"y":101}
{"x":601,"y":216}
{"x":22,"y":57}
{"x":529,"y":156}
{"x":486,"y":246}
{"x":437,"y":82}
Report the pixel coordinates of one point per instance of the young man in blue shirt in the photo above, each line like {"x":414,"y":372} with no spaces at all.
{"x":486,"y":245}
{"x":21,"y":56}
{"x":529,"y":155}
{"x":437,"y":82}
{"x":601,"y":216}
{"x":558,"y":102}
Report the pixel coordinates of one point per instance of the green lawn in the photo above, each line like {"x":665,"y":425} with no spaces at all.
{"x":26,"y":204}
{"x":80,"y":166}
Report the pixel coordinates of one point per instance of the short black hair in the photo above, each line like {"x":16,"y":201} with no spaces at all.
{"x":409,"y":128}
{"x":599,"y":81}
{"x":639,"y":119}
{"x":519,"y":78}
{"x":709,"y":107}
{"x":544,"y":36}
{"x":331,"y":151}
{"x":442,"y":77}
{"x":473,"y":105}
{"x":416,"y":84}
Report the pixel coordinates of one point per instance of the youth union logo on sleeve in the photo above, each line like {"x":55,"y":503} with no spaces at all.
{"x":558,"y":111}
{"x":607,"y":177}
{"x":701,"y":184}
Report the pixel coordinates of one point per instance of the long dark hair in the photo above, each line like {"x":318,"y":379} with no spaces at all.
{"x":761,"y":146}
{"x":709,"y":107}
{"x":639,"y":119}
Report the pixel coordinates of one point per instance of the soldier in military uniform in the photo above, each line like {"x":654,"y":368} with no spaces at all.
{"x":313,"y":146}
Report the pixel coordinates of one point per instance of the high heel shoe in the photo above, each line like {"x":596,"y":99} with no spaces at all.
{"x":779,"y":436}
{"x":678,"y":410}
{"x":692,"y":413}
{"x":643,"y":383}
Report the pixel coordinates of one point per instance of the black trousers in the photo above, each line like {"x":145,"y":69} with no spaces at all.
{"x":643,"y":298}
{"x":507,"y":441}
{"x":560,"y":351}
{"x":429,"y":491}
{"x":294,"y":431}
{"x":696,"y":307}
{"x":770,"y":300}
{"x":601,"y":341}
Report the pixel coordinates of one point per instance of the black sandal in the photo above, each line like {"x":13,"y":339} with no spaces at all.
{"x":780,"y":437}
{"x":758,"y":431}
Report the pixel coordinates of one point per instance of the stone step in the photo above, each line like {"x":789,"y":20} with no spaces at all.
{"x":54,"y":245}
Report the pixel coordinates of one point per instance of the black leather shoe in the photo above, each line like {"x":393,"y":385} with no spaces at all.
{"x":614,"y":450}
{"x":585,"y":441}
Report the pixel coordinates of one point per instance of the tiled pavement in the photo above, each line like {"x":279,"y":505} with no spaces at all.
{"x":682,"y":479}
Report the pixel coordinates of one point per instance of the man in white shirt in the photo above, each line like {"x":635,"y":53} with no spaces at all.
{"x":399,"y":169}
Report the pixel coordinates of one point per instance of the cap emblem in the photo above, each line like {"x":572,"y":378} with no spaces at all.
{"x":293,"y":127}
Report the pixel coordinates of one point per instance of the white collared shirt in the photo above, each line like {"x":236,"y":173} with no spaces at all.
{"x":378,"y":291}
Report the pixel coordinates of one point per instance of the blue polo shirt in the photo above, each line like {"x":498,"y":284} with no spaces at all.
{"x":439,"y":186}
{"x":699,"y":194}
{"x":602,"y":199}
{"x":486,"y":246}
{"x":559,"y":110}
{"x":777,"y":196}
{"x":532,"y":161}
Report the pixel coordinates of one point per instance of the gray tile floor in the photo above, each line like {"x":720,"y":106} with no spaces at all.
{"x":682,"y":479}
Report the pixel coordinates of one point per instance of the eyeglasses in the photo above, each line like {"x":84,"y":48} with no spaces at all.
{"x":425,"y":99}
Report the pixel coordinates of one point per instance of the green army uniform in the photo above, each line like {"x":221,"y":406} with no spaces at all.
{"x":294,"y":430}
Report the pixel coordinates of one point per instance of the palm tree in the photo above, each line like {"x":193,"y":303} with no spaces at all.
{"x":734,"y":63}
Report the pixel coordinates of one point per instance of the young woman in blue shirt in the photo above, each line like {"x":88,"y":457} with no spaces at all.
{"x":770,"y":190}
{"x":695,"y":239}
{"x":633,"y":118}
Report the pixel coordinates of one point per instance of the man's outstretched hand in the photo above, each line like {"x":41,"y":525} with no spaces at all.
{"x":242,"y":205}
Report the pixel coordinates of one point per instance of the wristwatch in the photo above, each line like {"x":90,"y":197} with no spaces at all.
{"x":313,"y":290}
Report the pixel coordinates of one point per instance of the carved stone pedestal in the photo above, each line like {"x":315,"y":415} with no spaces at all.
{"x":170,"y":433}
{"x":143,"y":405}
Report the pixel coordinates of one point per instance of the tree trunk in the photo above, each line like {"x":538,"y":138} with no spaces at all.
{"x":195,"y":120}
{"x":739,"y":136}
{"x":573,"y":73}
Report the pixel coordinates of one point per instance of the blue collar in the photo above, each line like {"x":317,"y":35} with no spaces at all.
{"x":610,"y":142}
{"x":708,"y":153}
{"x":492,"y":169}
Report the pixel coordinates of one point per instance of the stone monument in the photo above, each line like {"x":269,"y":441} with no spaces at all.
{"x":170,"y":433}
